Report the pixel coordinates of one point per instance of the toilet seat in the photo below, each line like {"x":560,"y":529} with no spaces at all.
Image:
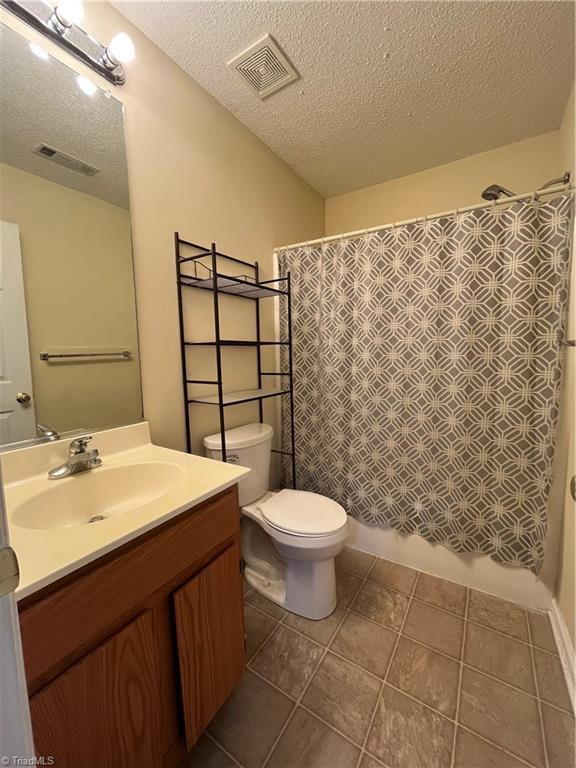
{"x":301,"y":513}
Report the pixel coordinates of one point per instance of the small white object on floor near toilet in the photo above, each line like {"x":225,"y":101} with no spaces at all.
{"x":289,"y":538}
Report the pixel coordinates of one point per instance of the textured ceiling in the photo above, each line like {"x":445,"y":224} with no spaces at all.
{"x":40,"y":102}
{"x":386,"y":88}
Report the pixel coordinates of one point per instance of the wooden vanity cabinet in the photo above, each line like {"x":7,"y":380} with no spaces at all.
{"x":129,"y":658}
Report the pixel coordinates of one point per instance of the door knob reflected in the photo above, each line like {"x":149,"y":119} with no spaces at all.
{"x":24,"y":398}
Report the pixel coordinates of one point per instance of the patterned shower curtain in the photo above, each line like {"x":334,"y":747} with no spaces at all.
{"x":427,"y":370}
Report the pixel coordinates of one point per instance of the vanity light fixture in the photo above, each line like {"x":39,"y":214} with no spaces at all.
{"x":120,"y":51}
{"x":66,"y":14}
{"x":59,"y":24}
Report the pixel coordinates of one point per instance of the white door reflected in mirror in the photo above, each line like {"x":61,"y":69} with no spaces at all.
{"x":17,"y":412}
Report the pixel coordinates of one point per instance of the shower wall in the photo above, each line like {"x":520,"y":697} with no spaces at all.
{"x":522,"y":166}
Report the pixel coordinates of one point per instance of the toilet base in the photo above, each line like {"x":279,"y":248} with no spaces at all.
{"x":311,"y":588}
{"x":302,"y":586}
{"x":300,"y":593}
{"x":273,"y":590}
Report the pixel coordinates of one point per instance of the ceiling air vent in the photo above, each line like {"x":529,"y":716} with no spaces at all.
{"x":61,"y":158}
{"x":264,"y":67}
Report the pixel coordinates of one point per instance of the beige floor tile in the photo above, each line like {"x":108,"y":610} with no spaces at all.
{"x":395,"y":576}
{"x":206,"y":754}
{"x":474,"y":752}
{"x":287,"y":660}
{"x":246,"y":588}
{"x":498,"y":614}
{"x":309,"y":743}
{"x":258,"y":627}
{"x":502,"y":657}
{"x":428,"y":676}
{"x":259,"y":601}
{"x":541,"y":631}
{"x":319,"y":631}
{"x":504,"y":716}
{"x":248,"y":723}
{"x":406,"y":734}
{"x":346,"y":587}
{"x":441,"y":593}
{"x":355,"y":561}
{"x":381,"y":604}
{"x":365,"y":643}
{"x":370,"y":762}
{"x":435,"y":628}
{"x":343,"y":695}
{"x":551,"y":680}
{"x":559,"y":731}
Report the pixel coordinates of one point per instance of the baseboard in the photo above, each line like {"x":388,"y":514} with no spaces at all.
{"x":565,"y":650}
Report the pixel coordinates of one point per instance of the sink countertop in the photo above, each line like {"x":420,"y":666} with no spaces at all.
{"x":47,"y":554}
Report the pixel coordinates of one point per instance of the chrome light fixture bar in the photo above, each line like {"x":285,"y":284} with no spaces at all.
{"x":60,"y":25}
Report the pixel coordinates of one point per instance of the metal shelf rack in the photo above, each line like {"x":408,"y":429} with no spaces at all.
{"x":245,"y":286}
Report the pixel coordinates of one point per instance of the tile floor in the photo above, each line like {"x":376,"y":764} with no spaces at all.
{"x":409,"y":672}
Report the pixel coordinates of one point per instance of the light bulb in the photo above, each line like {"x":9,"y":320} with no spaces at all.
{"x":37,"y":51}
{"x":121,"y":48}
{"x":86,"y":86}
{"x":70,"y":12}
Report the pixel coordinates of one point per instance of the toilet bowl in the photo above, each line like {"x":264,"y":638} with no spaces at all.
{"x":289,"y":538}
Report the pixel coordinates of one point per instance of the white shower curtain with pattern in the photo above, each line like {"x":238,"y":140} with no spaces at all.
{"x":427,"y":369}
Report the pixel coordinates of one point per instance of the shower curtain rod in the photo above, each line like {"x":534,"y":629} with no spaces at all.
{"x":491,"y":204}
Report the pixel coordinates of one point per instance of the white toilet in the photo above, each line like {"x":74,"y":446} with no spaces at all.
{"x":289,"y":538}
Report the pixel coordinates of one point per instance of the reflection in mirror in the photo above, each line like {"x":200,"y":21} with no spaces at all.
{"x":68,"y":334}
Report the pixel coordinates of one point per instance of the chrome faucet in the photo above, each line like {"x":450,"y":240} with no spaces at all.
{"x":43,"y":430}
{"x":79,"y":459}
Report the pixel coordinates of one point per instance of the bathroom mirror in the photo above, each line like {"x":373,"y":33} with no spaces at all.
{"x":68,"y":332}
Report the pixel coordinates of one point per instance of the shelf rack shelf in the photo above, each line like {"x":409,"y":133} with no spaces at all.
{"x":191,"y":272}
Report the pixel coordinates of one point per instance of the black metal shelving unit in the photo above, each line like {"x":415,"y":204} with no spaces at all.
{"x":207,"y":278}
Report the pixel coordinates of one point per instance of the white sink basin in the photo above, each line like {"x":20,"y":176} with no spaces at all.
{"x":59,"y":526}
{"x":97,"y":495}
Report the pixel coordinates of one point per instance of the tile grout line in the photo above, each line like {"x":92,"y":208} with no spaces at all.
{"x":526,"y":609}
{"x":306,"y":708}
{"x":445,"y":611}
{"x":221,"y":747}
{"x":496,"y":746}
{"x":459,"y":692}
{"x":447,"y":656}
{"x":383,"y":685}
{"x":538,"y":700}
{"x":347,"y":610}
{"x":321,"y":659}
{"x":263,"y":643}
{"x":356,"y":744}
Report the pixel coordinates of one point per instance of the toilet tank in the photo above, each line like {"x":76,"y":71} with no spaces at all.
{"x":249,"y":446}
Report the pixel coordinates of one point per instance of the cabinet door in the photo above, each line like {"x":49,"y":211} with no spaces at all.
{"x":210,"y":629}
{"x":102,"y":711}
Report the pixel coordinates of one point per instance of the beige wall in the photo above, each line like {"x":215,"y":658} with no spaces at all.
{"x":565,"y":592}
{"x":521,"y":167}
{"x":193,"y":168}
{"x":79,"y":287}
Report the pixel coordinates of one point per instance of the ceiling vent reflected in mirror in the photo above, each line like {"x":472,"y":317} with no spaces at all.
{"x":264,"y":67}
{"x":61,"y":158}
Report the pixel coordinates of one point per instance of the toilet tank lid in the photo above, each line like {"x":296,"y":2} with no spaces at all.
{"x":240,"y":437}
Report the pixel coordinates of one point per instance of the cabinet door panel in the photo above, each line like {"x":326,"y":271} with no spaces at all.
{"x":210,"y":629}
{"x":102,"y":711}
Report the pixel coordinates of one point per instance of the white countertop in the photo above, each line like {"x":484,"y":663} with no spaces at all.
{"x":47,"y":554}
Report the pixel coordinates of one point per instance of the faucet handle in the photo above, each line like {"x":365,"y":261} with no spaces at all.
{"x":79,"y":445}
